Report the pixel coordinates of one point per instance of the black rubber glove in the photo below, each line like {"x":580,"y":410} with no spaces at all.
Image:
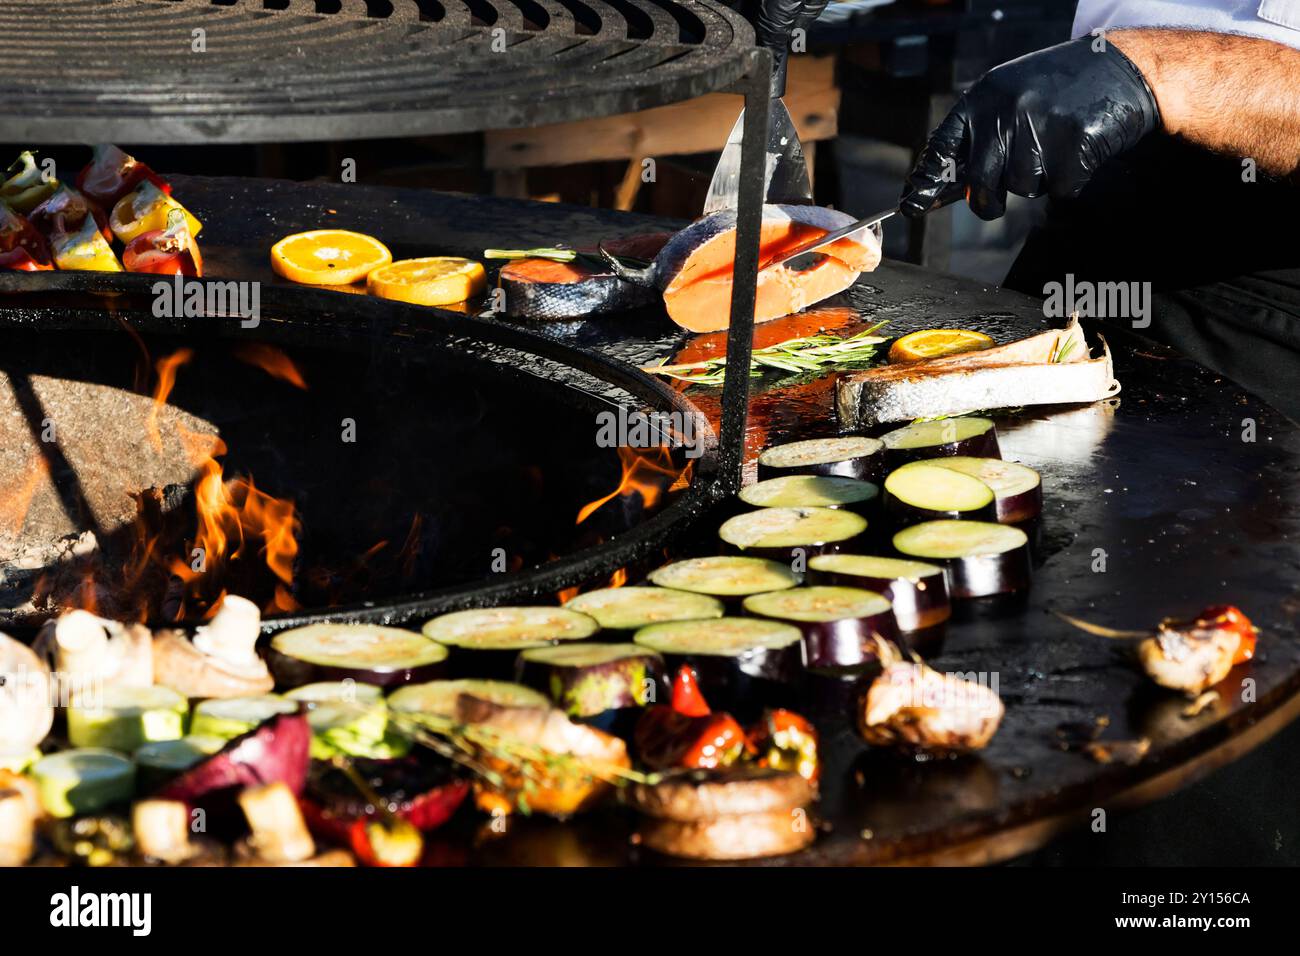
{"x":775,"y":22}
{"x":1039,"y":125}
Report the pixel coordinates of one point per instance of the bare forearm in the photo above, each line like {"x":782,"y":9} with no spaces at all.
{"x":1231,"y":94}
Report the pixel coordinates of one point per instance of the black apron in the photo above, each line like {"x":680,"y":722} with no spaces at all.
{"x":1222,"y":255}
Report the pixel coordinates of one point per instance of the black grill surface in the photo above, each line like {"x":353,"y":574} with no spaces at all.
{"x":200,"y":71}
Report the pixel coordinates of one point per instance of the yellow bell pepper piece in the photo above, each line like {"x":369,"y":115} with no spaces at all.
{"x":85,"y":250}
{"x":145,"y":210}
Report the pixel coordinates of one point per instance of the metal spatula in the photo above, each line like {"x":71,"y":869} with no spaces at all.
{"x":787,"y":170}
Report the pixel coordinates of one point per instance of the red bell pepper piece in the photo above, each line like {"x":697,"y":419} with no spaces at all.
{"x":688,"y":699}
{"x":66,"y":211}
{"x":111,"y":174}
{"x":1226,"y":617}
{"x":169,"y":251}
{"x":386,"y":842}
{"x":22,"y":247}
{"x":688,"y":733}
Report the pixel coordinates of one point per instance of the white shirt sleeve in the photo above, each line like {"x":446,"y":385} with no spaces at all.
{"x":1277,"y":20}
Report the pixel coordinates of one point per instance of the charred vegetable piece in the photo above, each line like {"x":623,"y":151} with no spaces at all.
{"x":735,"y":813}
{"x":979,"y":558}
{"x":420,"y":790}
{"x":67,"y":211}
{"x":725,"y":577}
{"x":917,"y":591}
{"x":73,"y":782}
{"x":587,"y":680}
{"x":367,"y":653}
{"x":915,"y":708}
{"x":852,"y":456}
{"x":386,"y":841}
{"x":277,"y":751}
{"x":98,"y":840}
{"x":630,"y":608}
{"x":22,"y":247}
{"x":111,"y":174}
{"x":26,"y":185}
{"x":82,"y":249}
{"x":146,"y":209}
{"x":839,"y":624}
{"x":168,"y":251}
{"x":945,"y":436}
{"x":1194,"y":655}
{"x":688,"y":734}
{"x":811,"y":491}
{"x":921,"y":492}
{"x":1018,"y":488}
{"x":778,"y":533}
{"x":785,"y":740}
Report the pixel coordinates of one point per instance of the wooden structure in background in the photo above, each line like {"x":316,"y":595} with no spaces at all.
{"x":696,"y":126}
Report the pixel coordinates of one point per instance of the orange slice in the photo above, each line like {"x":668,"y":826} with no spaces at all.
{"x":328,"y":257}
{"x":931,"y":343}
{"x":436,"y":280}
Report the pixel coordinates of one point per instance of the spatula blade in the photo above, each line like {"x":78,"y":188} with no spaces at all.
{"x":786,"y":169}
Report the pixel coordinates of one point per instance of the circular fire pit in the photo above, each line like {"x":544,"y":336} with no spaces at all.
{"x":348,"y":458}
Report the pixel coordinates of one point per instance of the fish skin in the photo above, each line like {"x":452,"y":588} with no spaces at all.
{"x":597,"y":294}
{"x":1011,"y":376}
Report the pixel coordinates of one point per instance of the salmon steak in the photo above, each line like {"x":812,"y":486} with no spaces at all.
{"x":547,"y":290}
{"x":694,"y":271}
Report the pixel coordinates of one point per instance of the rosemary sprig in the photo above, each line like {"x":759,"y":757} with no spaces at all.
{"x":558,"y":254}
{"x":808,"y":353}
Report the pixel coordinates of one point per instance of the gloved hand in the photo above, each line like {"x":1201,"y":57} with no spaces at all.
{"x":775,"y":22}
{"x":1039,"y":125}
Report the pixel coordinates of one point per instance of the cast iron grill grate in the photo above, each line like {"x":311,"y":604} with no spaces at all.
{"x":200,"y":71}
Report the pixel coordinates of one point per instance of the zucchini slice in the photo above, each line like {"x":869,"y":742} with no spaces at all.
{"x":811,"y":491}
{"x":630,"y":608}
{"x":125,"y":718}
{"x":229,"y":717}
{"x":966,"y":435}
{"x":587,"y":680}
{"x":1018,"y":488}
{"x":778,"y":532}
{"x":925,"y":492}
{"x":979,"y":558}
{"x":438,"y":698}
{"x":839,"y":624}
{"x":728,"y":637}
{"x":850,"y":456}
{"x":366,"y":653}
{"x":72,"y":782}
{"x":350,"y":719}
{"x":725,"y":577}
{"x":918,"y":591}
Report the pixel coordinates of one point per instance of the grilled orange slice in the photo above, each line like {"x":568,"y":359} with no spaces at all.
{"x":931,"y":343}
{"x":328,"y":257}
{"x":437,"y":280}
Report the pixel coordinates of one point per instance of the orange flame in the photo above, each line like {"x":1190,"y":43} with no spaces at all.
{"x":618,"y":578}
{"x":271,"y":361}
{"x":167,"y":367}
{"x":16,"y":500}
{"x":648,"y":474}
